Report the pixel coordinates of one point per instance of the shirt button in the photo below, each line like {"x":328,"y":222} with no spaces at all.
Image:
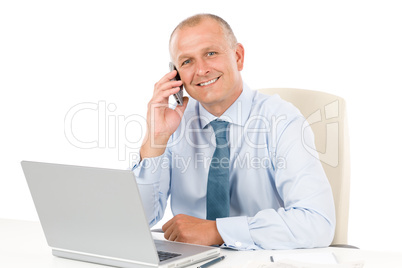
{"x":238,"y":244}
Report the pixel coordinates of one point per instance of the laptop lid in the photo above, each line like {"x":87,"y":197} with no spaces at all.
{"x":92,"y":214}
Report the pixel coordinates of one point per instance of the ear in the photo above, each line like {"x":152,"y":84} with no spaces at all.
{"x":239,"y":56}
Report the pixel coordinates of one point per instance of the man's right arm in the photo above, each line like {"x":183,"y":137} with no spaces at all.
{"x":153,"y":181}
{"x":162,"y":122}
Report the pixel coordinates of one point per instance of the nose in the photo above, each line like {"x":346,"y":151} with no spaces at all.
{"x":202,"y":68}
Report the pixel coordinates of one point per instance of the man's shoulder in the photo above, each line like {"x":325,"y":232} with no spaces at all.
{"x":273,"y":105}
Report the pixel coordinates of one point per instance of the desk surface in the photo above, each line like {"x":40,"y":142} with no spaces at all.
{"x":22,"y":244}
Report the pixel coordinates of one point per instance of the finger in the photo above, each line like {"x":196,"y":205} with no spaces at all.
{"x":167,"y":225}
{"x":170,"y":75}
{"x":168,"y":92}
{"x":170,"y":233}
{"x":167,"y":78}
{"x":180,"y":109}
{"x":173,"y":236}
{"x":167,"y":86}
{"x":167,"y":232}
{"x":163,"y":96}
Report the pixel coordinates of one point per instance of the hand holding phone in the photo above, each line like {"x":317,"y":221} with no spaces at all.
{"x":162,"y":119}
{"x":179,"y":95}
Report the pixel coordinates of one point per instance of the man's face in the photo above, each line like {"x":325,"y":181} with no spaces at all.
{"x":208,"y":65}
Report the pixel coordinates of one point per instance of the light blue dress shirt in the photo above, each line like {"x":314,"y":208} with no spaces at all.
{"x":280,"y":197}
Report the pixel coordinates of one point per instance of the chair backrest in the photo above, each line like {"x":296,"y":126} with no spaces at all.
{"x":326,"y":115}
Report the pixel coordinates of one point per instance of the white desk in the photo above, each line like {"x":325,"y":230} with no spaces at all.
{"x":22,"y":244}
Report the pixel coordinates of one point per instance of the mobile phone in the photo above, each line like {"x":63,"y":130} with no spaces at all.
{"x":179,"y":95}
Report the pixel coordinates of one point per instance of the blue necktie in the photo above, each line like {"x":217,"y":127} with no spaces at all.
{"x":218,"y":197}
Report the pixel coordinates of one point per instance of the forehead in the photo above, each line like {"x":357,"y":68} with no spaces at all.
{"x":192,"y":39}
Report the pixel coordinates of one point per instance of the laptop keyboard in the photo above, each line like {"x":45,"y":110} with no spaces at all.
{"x":163,"y":255}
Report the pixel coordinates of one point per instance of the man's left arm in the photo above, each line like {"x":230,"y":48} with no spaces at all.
{"x":307,"y":217}
{"x":306,"y":220}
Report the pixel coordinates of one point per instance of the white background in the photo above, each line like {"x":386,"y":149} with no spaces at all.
{"x":107,"y":55}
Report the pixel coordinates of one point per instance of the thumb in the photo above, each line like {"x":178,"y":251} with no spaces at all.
{"x":180,"y":109}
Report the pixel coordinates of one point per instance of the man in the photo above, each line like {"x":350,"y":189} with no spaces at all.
{"x":247,"y":185}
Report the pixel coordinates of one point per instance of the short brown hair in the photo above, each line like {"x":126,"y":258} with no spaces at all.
{"x":198,"y":18}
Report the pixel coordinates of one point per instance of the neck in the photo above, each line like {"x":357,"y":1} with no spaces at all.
{"x":218,"y":108}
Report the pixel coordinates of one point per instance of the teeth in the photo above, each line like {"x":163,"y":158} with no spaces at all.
{"x":209,"y":82}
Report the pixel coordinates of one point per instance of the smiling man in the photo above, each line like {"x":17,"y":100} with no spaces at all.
{"x":232,"y":160}
{"x":209,"y":63}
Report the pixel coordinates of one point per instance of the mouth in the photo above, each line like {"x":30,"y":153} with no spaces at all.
{"x":208,"y":82}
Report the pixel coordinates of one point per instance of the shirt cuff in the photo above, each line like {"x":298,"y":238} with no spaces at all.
{"x":148,"y":170}
{"x":235,"y":233}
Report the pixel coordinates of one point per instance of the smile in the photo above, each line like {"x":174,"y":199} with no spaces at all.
{"x":208,"y":82}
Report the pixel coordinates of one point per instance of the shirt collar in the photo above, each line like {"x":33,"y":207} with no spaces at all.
{"x":237,"y":113}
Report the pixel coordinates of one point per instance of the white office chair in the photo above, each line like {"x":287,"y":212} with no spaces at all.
{"x":326,"y":115}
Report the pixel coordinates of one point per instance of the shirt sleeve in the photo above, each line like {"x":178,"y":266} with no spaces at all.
{"x":153,"y":180}
{"x":307,"y":217}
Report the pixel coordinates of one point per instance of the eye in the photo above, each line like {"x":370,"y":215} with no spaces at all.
{"x":185,"y":62}
{"x":211,"y":53}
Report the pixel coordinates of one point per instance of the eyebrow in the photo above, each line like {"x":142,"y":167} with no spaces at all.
{"x":182,"y":57}
{"x":204,"y":50}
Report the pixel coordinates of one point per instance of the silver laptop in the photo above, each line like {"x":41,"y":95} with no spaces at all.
{"x":96,"y":215}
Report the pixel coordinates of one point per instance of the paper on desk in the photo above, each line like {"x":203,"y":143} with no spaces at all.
{"x":294,"y":264}
{"x":307,"y":257}
{"x":304,"y":260}
{"x":157,"y":234}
